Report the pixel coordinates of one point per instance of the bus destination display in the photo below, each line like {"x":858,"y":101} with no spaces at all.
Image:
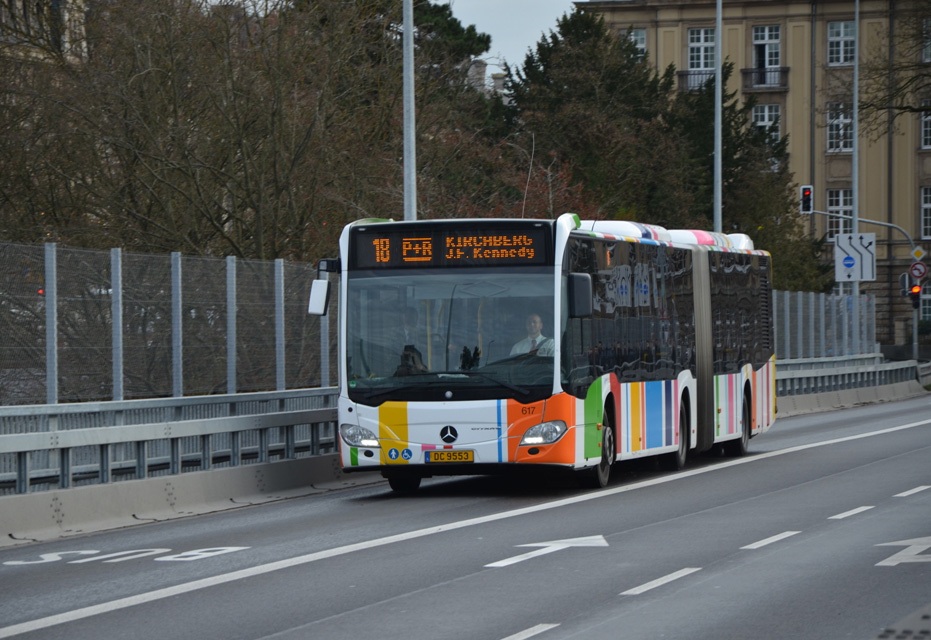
{"x":380,"y":247}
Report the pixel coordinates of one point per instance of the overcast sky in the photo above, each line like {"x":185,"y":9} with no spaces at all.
{"x":514,"y":25}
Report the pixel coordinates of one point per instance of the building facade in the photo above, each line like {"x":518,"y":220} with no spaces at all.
{"x":797,"y":59}
{"x":30,"y":26}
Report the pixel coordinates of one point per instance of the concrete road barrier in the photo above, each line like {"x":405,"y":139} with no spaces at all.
{"x":48,"y":515}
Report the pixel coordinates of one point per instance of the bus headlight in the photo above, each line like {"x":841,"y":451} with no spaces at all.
{"x":356,"y":436}
{"x":545,"y":433}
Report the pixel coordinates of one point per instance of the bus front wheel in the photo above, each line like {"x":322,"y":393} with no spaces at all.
{"x":597,"y":477}
{"x":404,"y":483}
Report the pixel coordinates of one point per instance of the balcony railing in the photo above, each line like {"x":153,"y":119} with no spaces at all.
{"x":766,"y":79}
{"x":694,"y":79}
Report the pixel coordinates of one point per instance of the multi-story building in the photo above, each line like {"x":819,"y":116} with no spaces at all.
{"x":797,"y":60}
{"x":29,"y":26}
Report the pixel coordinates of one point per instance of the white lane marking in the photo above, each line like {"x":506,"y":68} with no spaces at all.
{"x":911,"y":492}
{"x":772,"y":539}
{"x":681,"y":573}
{"x":160,"y":594}
{"x":531,"y":632}
{"x":911,"y":554}
{"x":852,"y":512}
{"x":550,"y":547}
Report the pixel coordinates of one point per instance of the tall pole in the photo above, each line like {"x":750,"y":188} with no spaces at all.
{"x":718,"y":97}
{"x":410,"y":151}
{"x":855,"y":169}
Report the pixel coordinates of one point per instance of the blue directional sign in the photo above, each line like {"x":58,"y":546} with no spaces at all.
{"x":854,"y":257}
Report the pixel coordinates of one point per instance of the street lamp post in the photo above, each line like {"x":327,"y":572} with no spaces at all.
{"x":718,"y":97}
{"x":410,"y":151}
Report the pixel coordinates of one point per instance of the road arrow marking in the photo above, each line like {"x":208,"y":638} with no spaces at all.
{"x":550,"y":547}
{"x":911,"y":554}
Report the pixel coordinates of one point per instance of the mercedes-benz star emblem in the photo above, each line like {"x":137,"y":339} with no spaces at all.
{"x":448,"y":434}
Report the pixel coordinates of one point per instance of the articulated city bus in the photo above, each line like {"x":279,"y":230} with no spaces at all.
{"x":476,"y":346}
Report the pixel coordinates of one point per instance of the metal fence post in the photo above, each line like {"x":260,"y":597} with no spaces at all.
{"x":279,"y":326}
{"x":812,"y":343}
{"x":800,"y":324}
{"x":835,"y":322}
{"x":177,"y":337}
{"x":231,"y":324}
{"x":51,"y":323}
{"x":776,"y":332}
{"x":786,"y":308}
{"x":845,"y":309}
{"x":822,"y":322}
{"x":116,"y":316}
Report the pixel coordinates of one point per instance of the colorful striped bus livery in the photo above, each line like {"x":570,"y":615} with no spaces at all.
{"x":482,"y":346}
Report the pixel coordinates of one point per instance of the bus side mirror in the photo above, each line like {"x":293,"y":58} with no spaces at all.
{"x":580,"y":295}
{"x":319,"y":298}
{"x":328,"y":265}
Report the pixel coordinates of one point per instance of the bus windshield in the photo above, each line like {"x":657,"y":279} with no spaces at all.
{"x":444,"y":334}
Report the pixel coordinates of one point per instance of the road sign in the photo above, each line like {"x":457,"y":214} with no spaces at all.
{"x":918,"y":253}
{"x":854,"y":257}
{"x":918,"y":270}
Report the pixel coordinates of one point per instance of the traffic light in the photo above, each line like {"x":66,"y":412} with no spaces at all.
{"x":915,"y":293}
{"x":905,"y":284}
{"x":805,"y":199}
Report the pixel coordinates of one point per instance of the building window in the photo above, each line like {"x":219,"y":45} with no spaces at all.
{"x":701,"y":56}
{"x":766,"y":116}
{"x":926,"y":37}
{"x":639,"y":38}
{"x":766,"y":55}
{"x":842,"y":43}
{"x":840,"y":201}
{"x":926,"y":125}
{"x":840,"y":127}
{"x":926,"y":213}
{"x":924,"y":311}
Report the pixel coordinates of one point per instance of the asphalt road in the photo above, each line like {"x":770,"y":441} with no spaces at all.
{"x":823,"y":531}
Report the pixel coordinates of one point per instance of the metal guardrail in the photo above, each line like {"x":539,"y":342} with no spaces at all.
{"x":63,"y":445}
{"x":57,"y":446}
{"x":924,"y":374}
{"x":805,"y":376}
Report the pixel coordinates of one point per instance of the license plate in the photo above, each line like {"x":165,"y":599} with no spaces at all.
{"x":450,"y":455}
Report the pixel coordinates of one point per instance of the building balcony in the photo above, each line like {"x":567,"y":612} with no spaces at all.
{"x":694,"y":79}
{"x":766,"y":79}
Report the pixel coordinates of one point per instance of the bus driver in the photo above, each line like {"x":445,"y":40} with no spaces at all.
{"x":535,"y":343}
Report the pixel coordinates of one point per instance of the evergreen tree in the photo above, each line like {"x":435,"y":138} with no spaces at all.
{"x":588,"y":97}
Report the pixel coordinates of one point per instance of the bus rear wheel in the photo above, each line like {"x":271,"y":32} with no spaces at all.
{"x":675,"y":461}
{"x":598,"y":476}
{"x":741,"y":445}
